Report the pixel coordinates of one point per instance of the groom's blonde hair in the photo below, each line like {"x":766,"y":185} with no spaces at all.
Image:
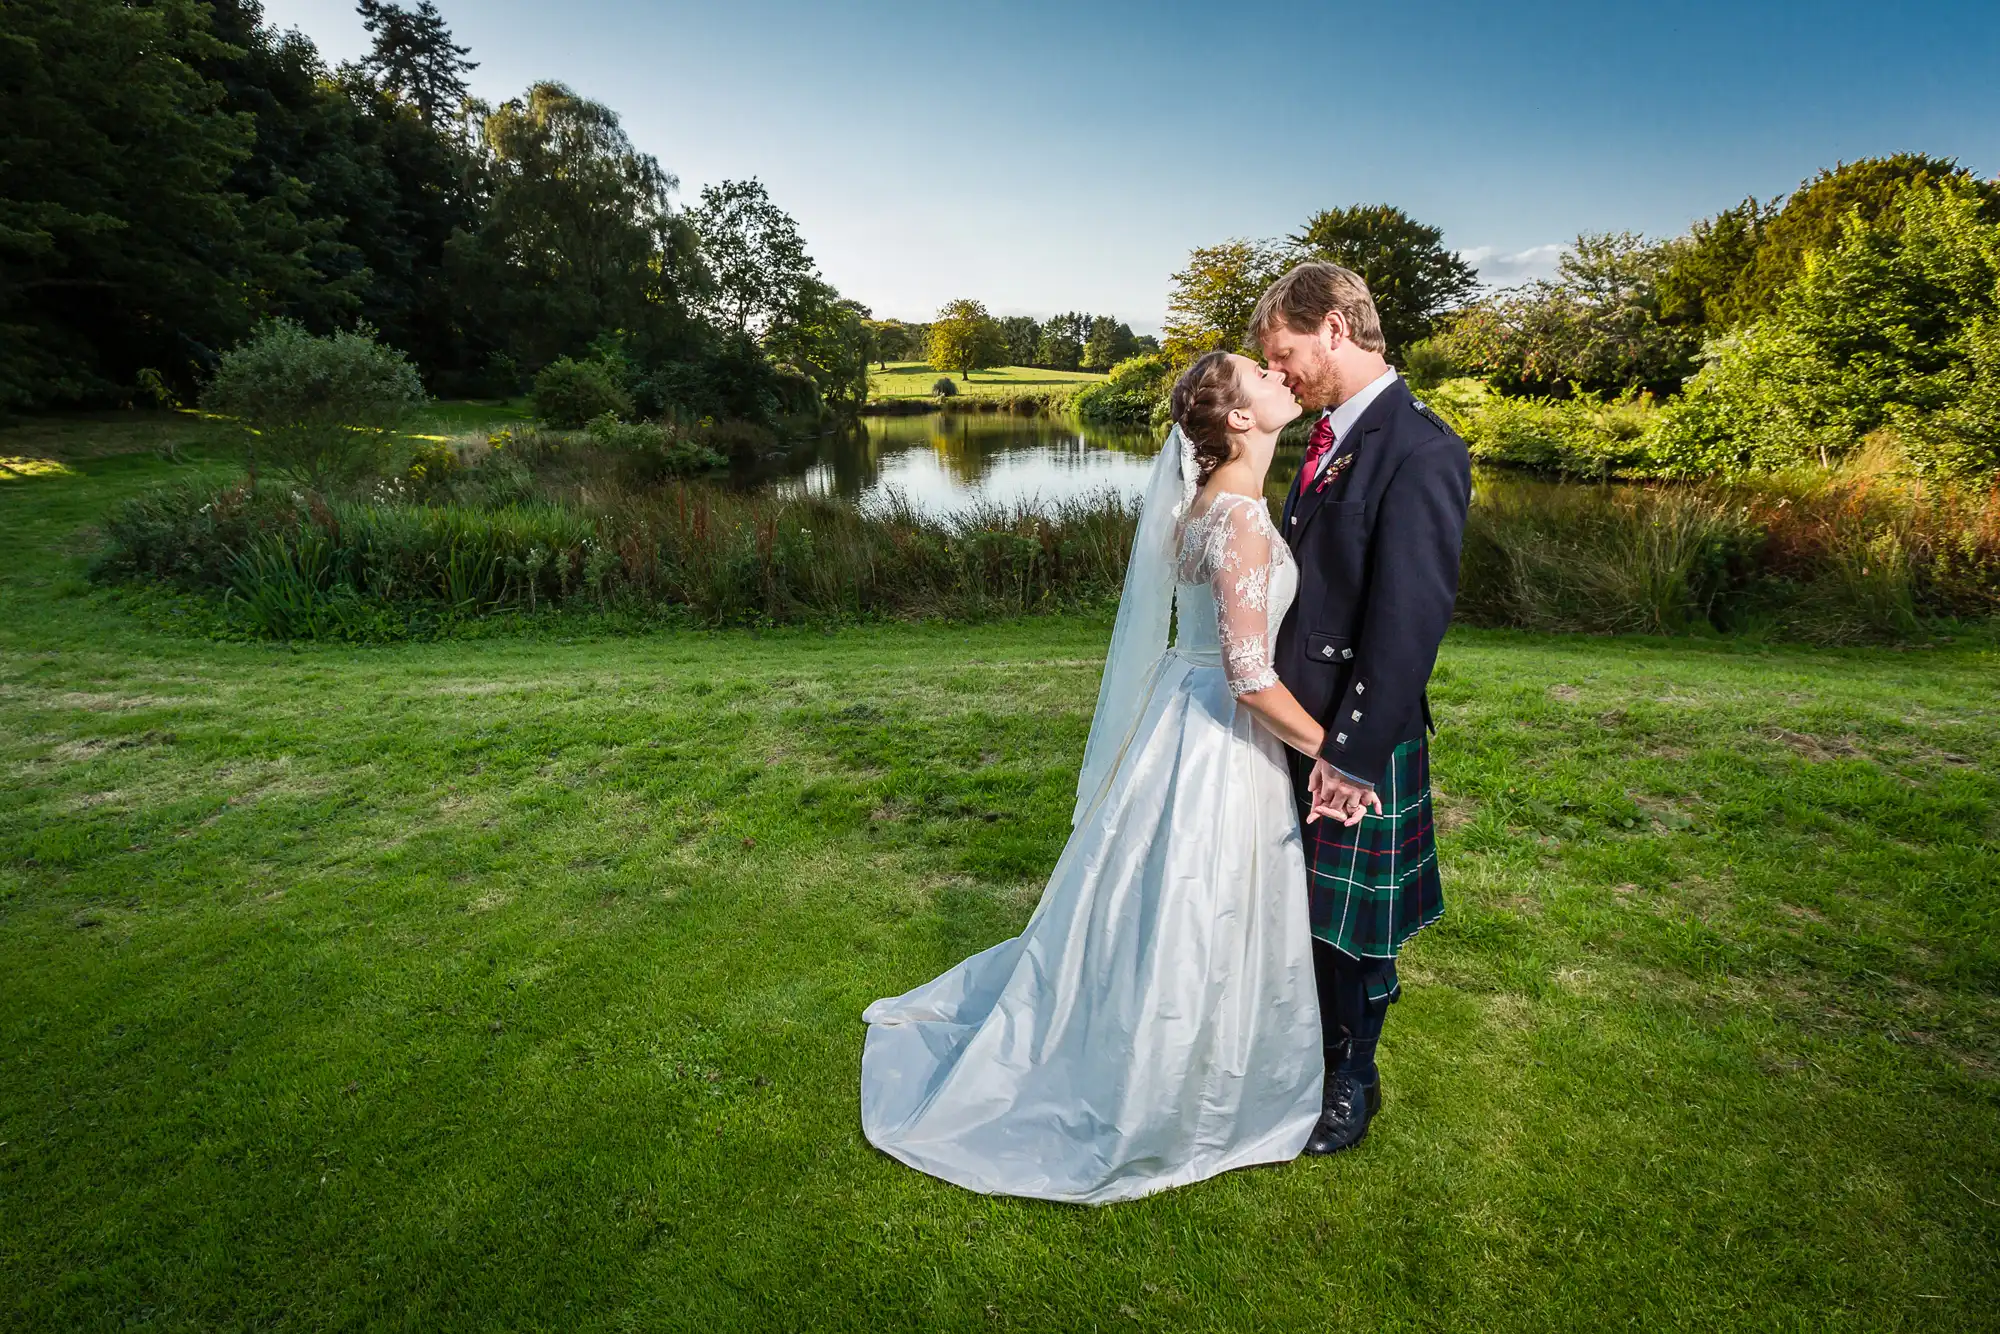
{"x":1309,"y":293}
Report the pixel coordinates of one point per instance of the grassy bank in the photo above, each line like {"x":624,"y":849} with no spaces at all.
{"x":915,"y":380}
{"x":517,"y":982}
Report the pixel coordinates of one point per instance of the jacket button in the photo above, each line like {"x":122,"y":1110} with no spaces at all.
{"x":1327,"y":652}
{"x":1356,"y":715}
{"x":1360,"y":687}
{"x":1341,"y":738}
{"x":1347,"y":653}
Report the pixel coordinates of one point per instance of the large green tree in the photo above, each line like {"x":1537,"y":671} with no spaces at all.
{"x":1109,"y":342}
{"x":577,"y":236}
{"x":1737,"y":266}
{"x":1024,"y":338}
{"x":825,"y":337}
{"x":413,"y":58}
{"x":1213,"y":297}
{"x":120,"y":251}
{"x":754,"y":258}
{"x":1896,"y":324}
{"x":964,"y":338}
{"x":1411,"y":275}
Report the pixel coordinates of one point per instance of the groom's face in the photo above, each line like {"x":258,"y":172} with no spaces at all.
{"x":1306,"y":361}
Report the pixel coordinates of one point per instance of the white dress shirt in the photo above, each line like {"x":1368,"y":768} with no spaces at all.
{"x":1349,"y":412}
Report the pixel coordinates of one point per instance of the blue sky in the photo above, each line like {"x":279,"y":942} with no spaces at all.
{"x":1046,"y":157}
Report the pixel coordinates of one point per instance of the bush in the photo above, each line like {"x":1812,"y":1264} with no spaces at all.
{"x":1584,"y":436}
{"x":318,"y":410}
{"x":650,"y":453}
{"x":944,"y":388}
{"x":1129,"y":396}
{"x":1427,"y":363}
{"x":569,"y":394}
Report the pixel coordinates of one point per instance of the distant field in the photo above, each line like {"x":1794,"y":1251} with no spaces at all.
{"x":913,"y":379}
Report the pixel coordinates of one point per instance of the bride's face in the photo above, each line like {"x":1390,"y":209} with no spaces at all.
{"x":1271,"y":402}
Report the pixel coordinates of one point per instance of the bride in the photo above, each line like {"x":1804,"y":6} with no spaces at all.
{"x":1156,"y":1022}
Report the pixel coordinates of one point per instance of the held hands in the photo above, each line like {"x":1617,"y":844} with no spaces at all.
{"x":1338,"y":797}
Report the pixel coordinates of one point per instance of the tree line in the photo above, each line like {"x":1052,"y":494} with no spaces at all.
{"x":1777,"y":332}
{"x":174,"y":173}
{"x":969,"y":338}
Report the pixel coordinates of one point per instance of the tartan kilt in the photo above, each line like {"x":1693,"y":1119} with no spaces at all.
{"x":1373,"y":886}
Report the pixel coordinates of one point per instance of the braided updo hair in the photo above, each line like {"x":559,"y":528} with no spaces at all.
{"x":1203,"y":398}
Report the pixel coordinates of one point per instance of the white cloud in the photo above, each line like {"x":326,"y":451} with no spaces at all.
{"x":1505,"y":269}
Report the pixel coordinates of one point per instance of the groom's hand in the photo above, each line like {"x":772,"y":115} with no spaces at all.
{"x":1338,"y":797}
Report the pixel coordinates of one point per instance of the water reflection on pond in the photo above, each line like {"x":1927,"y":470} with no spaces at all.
{"x":950,"y":462}
{"x":947,"y":463}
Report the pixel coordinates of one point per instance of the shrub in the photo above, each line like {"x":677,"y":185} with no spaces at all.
{"x":1427,"y":363}
{"x":944,"y":388}
{"x":1583,"y":436}
{"x":569,"y":393}
{"x":318,"y":410}
{"x":648,"y":453}
{"x":1135,"y":387}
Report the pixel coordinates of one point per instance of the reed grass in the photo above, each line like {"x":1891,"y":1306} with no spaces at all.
{"x":527,"y":521}
{"x":298,"y":566}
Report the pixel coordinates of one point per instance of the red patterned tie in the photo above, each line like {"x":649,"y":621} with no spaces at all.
{"x":1318,"y":445}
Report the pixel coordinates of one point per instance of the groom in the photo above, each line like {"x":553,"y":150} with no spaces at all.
{"x":1375,"y":520}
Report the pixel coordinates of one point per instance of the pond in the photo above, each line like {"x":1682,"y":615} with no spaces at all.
{"x":949,"y":463}
{"x":946,"y":463}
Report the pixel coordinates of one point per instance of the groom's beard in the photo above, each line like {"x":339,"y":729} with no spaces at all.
{"x":1321,"y":387}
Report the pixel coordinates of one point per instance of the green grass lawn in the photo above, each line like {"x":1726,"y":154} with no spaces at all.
{"x":516,"y":983}
{"x":913,"y":379}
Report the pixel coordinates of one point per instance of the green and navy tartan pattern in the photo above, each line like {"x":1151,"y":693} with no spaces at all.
{"x":1375,"y":885}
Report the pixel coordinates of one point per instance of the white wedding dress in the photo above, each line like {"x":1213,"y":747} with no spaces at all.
{"x":1156,"y":1021}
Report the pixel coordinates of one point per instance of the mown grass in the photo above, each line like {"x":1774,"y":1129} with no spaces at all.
{"x":516,"y":983}
{"x":914,"y":379}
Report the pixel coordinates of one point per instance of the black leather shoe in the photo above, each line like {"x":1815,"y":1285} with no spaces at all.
{"x":1343,"y":1121}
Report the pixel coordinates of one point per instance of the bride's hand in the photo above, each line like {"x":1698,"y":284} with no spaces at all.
{"x":1338,"y":797}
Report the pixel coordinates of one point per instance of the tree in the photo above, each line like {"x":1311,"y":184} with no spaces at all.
{"x":1815,"y":217}
{"x":1699,"y":287}
{"x":1736,"y":267}
{"x":120,"y":251}
{"x":1109,"y":342}
{"x":578,"y":236}
{"x":1595,"y":327}
{"x":825,"y":337}
{"x":1060,"y":345}
{"x":412,"y":57}
{"x":1412,"y":277}
{"x":1896,"y":325}
{"x":1214,"y":295}
{"x":752,"y":251}
{"x":1023,"y":334}
{"x":964,"y":338}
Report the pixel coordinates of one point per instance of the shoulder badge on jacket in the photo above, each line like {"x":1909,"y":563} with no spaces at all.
{"x":1424,"y":411}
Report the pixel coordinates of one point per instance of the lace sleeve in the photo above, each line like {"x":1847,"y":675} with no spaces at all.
{"x":1242,"y":587}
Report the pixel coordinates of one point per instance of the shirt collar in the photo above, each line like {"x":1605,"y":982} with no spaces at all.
{"x":1344,"y":416}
